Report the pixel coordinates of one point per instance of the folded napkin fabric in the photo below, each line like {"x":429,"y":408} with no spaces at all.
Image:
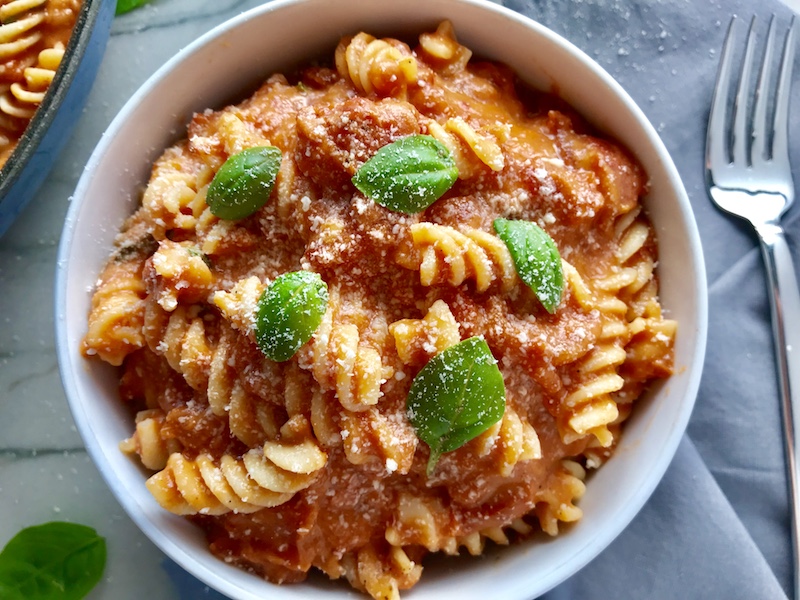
{"x":686,"y":543}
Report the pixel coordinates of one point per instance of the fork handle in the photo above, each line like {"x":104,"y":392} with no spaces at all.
{"x":785,"y":305}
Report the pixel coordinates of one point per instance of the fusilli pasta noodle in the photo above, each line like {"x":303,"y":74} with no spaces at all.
{"x":343,"y":361}
{"x":621,"y":297}
{"x":264,"y":477}
{"x":445,"y":254}
{"x":382,"y":67}
{"x":371,"y":434}
{"x":418,"y":340}
{"x":118,"y":310}
{"x":381,"y":572}
{"x":443,"y":47}
{"x":147,"y":441}
{"x":313,"y":461}
{"x":556,"y":501}
{"x":513,"y":440}
{"x":418,"y":523}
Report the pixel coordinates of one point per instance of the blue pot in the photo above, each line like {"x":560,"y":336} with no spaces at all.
{"x":53,"y":122}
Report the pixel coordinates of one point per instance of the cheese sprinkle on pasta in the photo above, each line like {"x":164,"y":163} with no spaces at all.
{"x":312,"y":462}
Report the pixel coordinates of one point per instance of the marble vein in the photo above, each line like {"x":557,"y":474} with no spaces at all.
{"x":172,"y":15}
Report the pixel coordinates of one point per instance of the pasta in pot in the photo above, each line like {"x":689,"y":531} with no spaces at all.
{"x":315,"y":460}
{"x":33,"y":36}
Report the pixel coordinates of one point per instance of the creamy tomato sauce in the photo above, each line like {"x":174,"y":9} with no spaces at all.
{"x":175,"y":305}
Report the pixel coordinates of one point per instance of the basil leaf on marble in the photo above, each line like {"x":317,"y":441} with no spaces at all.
{"x":124,"y":6}
{"x":289,"y":312}
{"x":536,"y":259}
{"x":408,"y":175}
{"x":54,"y":561}
{"x":457,"y":396}
{"x":244,"y":182}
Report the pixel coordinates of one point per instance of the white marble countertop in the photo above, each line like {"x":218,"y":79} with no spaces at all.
{"x":45,"y":473}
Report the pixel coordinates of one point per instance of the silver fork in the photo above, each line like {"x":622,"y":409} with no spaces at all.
{"x":748,"y":175}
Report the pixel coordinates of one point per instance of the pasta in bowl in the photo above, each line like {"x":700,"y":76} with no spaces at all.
{"x":389,"y":305}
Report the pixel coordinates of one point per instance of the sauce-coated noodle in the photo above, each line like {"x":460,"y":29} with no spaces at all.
{"x":313,"y":462}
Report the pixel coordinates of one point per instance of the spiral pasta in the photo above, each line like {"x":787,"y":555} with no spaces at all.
{"x":590,"y":407}
{"x":622,"y":297}
{"x":238,"y":304}
{"x":342,"y":361}
{"x":382,"y":67}
{"x":483,"y":146}
{"x":117,"y":316}
{"x":264,"y":477}
{"x":251,"y":418}
{"x":188,"y":487}
{"x":148,"y":442}
{"x":443,"y":47}
{"x":556,"y":502}
{"x":649,"y":346}
{"x":418,"y":523}
{"x":418,"y":340}
{"x":381,"y":572}
{"x":315,"y":461}
{"x":445,"y":254}
{"x":175,"y":197}
{"x":374,"y":437}
{"x":512,"y":440}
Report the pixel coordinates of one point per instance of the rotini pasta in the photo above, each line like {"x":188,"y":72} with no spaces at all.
{"x":621,"y":296}
{"x":419,"y":523}
{"x":418,"y":340}
{"x":381,"y":572}
{"x":371,"y":434}
{"x":445,"y":254}
{"x":556,"y":501}
{"x":514,"y":439}
{"x":341,"y":360}
{"x":118,"y":310}
{"x":383,"y":67}
{"x":147,"y":441}
{"x":264,"y":477}
{"x":314,"y":460}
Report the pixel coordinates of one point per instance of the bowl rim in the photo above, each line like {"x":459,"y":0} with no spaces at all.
{"x":594,"y":544}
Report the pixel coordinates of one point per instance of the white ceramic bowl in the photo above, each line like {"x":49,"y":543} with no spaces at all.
{"x":278,"y":35}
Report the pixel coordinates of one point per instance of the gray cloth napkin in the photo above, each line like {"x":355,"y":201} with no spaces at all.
{"x":718,"y":524}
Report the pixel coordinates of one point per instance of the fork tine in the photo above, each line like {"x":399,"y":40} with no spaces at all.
{"x":740,"y":125}
{"x":717,"y":146}
{"x":760,"y":128}
{"x":780,"y":143}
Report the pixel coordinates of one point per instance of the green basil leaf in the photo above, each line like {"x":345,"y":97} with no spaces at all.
{"x":536,"y":259}
{"x":202,"y":255}
{"x":457,"y":396}
{"x":289,"y":312}
{"x":124,"y":6}
{"x":54,"y":561}
{"x":408,"y":175}
{"x":244,"y":182}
